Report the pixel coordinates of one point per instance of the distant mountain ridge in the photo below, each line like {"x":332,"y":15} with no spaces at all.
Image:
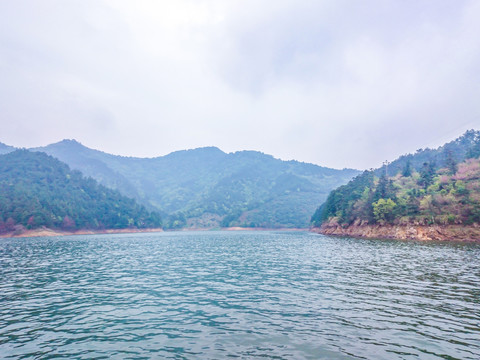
{"x":206,"y":187}
{"x":91,"y":163}
{"x":5,"y":149}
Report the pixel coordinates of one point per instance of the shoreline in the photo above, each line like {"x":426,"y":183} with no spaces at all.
{"x":55,"y":232}
{"x":45,"y":232}
{"x":469,"y":233}
{"x":465,"y":233}
{"x":238,"y":228}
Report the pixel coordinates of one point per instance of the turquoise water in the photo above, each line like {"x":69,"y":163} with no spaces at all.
{"x":217,"y":295}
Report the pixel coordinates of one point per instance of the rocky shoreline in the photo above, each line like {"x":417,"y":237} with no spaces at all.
{"x":404,"y":232}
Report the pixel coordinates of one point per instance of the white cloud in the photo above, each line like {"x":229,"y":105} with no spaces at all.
{"x":330,"y":82}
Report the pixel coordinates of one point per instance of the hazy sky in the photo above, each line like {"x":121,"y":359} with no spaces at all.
{"x":339,"y":83}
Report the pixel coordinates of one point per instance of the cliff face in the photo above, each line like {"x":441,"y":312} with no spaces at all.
{"x":415,"y":232}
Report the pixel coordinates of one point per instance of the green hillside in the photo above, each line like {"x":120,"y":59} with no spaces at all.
{"x":444,"y":189}
{"x":38,"y":190}
{"x":206,"y":187}
{"x":458,"y":149}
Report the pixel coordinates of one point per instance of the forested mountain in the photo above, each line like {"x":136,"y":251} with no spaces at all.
{"x":206,"y":187}
{"x":440,"y":186}
{"x":5,"y":149}
{"x":458,"y":149}
{"x":38,"y":190}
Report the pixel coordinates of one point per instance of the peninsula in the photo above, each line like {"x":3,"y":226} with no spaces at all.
{"x":429,"y":195}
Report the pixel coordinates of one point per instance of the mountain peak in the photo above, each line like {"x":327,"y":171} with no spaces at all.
{"x":4,"y":148}
{"x":201,"y":151}
{"x":68,"y":142}
{"x":207,"y":149}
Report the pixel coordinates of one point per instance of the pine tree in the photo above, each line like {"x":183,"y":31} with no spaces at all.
{"x":407,"y":170}
{"x":450,"y":162}
{"x":426,"y":174}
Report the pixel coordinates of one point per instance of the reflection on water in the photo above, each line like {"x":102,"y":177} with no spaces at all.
{"x":215,"y":295}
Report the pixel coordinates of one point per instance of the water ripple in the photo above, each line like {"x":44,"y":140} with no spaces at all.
{"x":215,"y":295}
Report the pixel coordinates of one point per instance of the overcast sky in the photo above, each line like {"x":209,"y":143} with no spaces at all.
{"x":339,"y":83}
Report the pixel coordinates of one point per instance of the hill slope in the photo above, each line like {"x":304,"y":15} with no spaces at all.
{"x":459,"y":149}
{"x":434,"y":195}
{"x":5,"y":149}
{"x":38,"y":190}
{"x":206,"y":187}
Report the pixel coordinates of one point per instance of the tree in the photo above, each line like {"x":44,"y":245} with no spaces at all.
{"x":473,"y":139}
{"x":38,"y":190}
{"x":383,"y":210}
{"x":428,"y":207}
{"x":31,"y":222}
{"x":177,"y":220}
{"x":407,"y":170}
{"x":450,"y":162}
{"x":413,"y":205}
{"x":10,"y":224}
{"x":68,"y":223}
{"x":426,"y":174}
{"x":384,"y":189}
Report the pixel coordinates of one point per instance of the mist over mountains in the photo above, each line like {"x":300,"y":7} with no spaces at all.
{"x":207,"y":187}
{"x":5,"y":149}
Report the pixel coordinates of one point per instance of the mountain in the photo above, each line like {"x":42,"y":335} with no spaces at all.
{"x":5,"y":149}
{"x":457,"y":149}
{"x":38,"y":190}
{"x":206,"y":187}
{"x":443,"y":191}
{"x":91,"y":163}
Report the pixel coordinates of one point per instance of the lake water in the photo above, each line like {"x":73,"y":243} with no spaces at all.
{"x":217,"y":295}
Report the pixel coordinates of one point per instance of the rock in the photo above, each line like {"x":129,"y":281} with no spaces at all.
{"x":411,"y":231}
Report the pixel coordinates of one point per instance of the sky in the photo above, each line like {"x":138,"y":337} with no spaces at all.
{"x":338,"y":83}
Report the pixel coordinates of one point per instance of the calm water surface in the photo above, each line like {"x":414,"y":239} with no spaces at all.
{"x":217,"y":295}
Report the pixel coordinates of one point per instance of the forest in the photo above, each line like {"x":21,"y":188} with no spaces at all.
{"x":208,"y":188}
{"x":37,"y":190}
{"x":440,"y":186}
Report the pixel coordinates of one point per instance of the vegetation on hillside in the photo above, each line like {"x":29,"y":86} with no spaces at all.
{"x":445,"y":189}
{"x":206,"y":187}
{"x":37,"y":190}
{"x":459,"y":149}
{"x":5,"y":149}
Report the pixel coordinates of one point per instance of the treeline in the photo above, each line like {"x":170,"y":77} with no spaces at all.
{"x":445,"y":189}
{"x":38,"y":190}
{"x":465,"y":146}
